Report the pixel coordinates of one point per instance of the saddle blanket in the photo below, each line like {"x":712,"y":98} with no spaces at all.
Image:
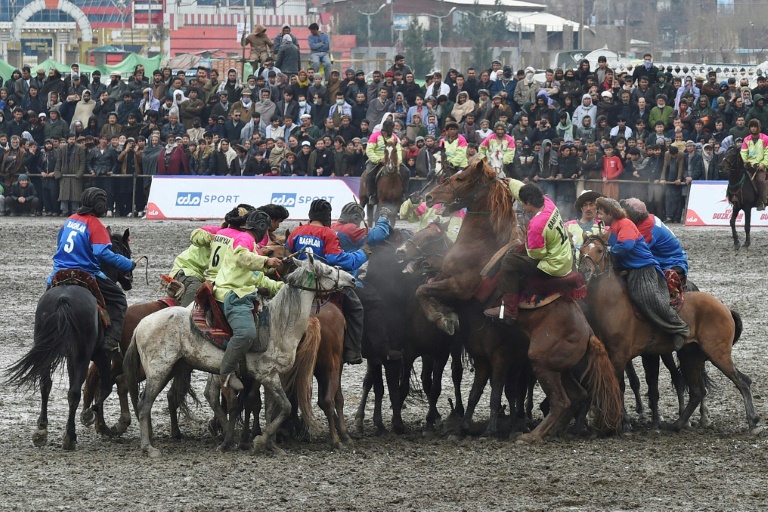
{"x":536,"y":291}
{"x":209,"y":319}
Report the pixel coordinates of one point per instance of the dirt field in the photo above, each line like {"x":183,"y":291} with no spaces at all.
{"x":717,"y":468}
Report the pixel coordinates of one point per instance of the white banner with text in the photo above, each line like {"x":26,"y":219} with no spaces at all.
{"x":211,"y":197}
{"x":709,"y":207}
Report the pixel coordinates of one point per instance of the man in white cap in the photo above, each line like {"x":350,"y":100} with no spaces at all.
{"x":527,"y":88}
{"x":279,"y":38}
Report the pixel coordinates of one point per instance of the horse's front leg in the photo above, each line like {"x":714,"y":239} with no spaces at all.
{"x":734,"y":214}
{"x":428,"y":294}
{"x":281,"y":407}
{"x":747,"y":226}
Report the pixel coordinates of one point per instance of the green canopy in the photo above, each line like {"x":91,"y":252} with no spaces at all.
{"x":125,"y":68}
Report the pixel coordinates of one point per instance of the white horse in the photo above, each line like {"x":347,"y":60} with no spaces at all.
{"x":496,"y":161}
{"x":165,"y":343}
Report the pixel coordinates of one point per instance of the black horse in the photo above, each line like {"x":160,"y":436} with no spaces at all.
{"x":394,"y":319}
{"x":68,"y":326}
{"x":742,"y":192}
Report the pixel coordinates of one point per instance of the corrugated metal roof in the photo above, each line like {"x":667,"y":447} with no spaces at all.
{"x":529,"y":20}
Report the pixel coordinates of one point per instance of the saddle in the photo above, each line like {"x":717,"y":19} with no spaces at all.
{"x":75,"y":277}
{"x":536,"y":292}
{"x":209,"y":319}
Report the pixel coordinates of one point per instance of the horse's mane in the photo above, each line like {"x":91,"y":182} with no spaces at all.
{"x":500,"y":206}
{"x":285,"y":307}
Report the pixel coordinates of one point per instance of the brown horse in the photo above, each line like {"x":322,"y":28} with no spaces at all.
{"x":714,"y":330}
{"x":389,"y":186}
{"x":562,"y":347}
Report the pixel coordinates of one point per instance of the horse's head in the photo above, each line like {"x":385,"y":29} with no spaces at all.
{"x":463,"y":188}
{"x":430,"y":241}
{"x":595,"y":257}
{"x":120,"y":245}
{"x":275,"y":250}
{"x":312,"y":273}
{"x":731,"y":163}
{"x":391,"y":161}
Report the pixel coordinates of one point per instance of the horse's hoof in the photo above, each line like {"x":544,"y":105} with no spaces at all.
{"x":224,"y":447}
{"x":178,"y":435}
{"x":68,"y":443}
{"x":40,"y":437}
{"x":245,"y":446}
{"x":152,"y":452}
{"x":359,"y":427}
{"x":527,"y":439}
{"x":87,"y":417}
{"x":339,"y":447}
{"x":736,"y":247}
{"x":119,"y":429}
{"x":381,"y":431}
{"x":399,"y":429}
{"x":757,"y":430}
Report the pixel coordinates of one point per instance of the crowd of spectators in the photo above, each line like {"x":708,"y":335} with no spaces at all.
{"x":573,"y":129}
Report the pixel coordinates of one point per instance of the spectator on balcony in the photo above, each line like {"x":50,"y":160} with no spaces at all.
{"x":288,"y":56}
{"x":279,"y":38}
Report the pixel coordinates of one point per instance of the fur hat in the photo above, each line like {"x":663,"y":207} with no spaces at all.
{"x":320,"y":210}
{"x":611,"y":207}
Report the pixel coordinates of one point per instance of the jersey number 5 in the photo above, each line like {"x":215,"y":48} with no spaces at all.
{"x":70,"y":243}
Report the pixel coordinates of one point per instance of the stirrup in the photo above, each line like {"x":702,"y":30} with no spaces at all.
{"x":760,"y":206}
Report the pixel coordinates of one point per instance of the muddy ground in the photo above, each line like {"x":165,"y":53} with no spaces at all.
{"x":716,"y":468}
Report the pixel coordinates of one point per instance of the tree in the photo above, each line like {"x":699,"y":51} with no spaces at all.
{"x":417,"y":55}
{"x":483,"y":29}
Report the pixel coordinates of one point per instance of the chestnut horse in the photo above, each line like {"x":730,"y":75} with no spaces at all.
{"x":562,"y":347}
{"x":714,"y":330}
{"x":741,"y":193}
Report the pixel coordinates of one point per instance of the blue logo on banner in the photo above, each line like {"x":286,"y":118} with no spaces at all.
{"x":283,"y":199}
{"x":189,"y":198}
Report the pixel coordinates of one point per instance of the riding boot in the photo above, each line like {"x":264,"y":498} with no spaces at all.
{"x":370,"y":184}
{"x":352,"y":309}
{"x":507,"y":311}
{"x":231,"y":380}
{"x":761,"y":190}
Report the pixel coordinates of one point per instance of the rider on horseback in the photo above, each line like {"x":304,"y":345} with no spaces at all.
{"x":376,"y":153}
{"x":455,"y":146}
{"x":646,"y":284}
{"x":548,"y":252}
{"x":85,"y":244}
{"x":499,"y":142}
{"x":278,"y":214}
{"x":224,"y":236}
{"x":235,"y":287}
{"x":351,"y":236}
{"x":318,"y":237}
{"x":754,"y":152}
{"x":664,"y":245}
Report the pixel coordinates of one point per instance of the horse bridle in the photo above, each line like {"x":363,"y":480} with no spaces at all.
{"x":586,"y":258}
{"x":455,"y":191}
{"x":421,"y":249}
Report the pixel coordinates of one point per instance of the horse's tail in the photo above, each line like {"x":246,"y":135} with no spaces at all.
{"x":181,"y":388}
{"x":602,"y":382}
{"x":739,"y":326}
{"x":131,"y":369}
{"x":299,"y":378}
{"x":55,"y":339}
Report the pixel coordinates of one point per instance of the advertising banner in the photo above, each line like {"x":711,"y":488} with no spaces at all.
{"x":211,"y":197}
{"x":709,"y":207}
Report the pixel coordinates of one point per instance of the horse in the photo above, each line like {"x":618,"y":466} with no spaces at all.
{"x":562,"y":348}
{"x":714,"y":331}
{"x":166,"y":341}
{"x":180,"y":388}
{"x":494,"y":358}
{"x":68,"y":327}
{"x":393,"y":319}
{"x":389,"y":186}
{"x":742,"y":197}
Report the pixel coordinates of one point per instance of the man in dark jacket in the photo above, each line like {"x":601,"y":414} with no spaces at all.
{"x":22,"y":197}
{"x":234,"y":126}
{"x":288,"y":107}
{"x":321,"y":161}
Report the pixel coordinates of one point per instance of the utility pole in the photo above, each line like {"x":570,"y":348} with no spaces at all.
{"x":149,"y":27}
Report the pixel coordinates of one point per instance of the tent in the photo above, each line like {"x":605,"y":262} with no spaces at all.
{"x":125,"y":68}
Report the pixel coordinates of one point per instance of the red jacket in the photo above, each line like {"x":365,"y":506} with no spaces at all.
{"x":178,"y":163}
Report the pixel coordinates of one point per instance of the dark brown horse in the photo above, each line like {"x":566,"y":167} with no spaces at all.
{"x":742,"y":192}
{"x":562,"y":348}
{"x":389,"y":186}
{"x":714,"y":330}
